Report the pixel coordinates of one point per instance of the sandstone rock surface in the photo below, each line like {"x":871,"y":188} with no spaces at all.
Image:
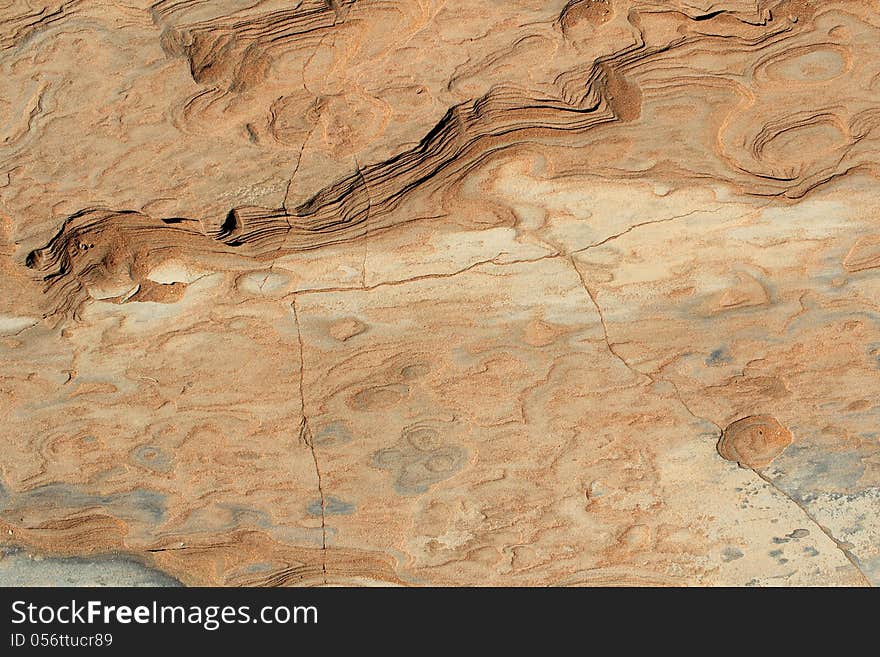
{"x":754,"y":441}
{"x":415,"y":292}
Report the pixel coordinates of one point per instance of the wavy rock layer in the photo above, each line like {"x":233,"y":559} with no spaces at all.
{"x":428,"y":293}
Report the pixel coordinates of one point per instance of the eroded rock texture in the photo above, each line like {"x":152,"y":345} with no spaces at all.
{"x":416,"y":292}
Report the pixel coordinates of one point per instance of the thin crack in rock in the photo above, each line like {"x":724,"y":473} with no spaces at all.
{"x":615,"y":236}
{"x":570,"y":259}
{"x":839,"y":544}
{"x":305,"y":436}
{"x":494,"y":261}
{"x":651,"y":378}
{"x":366,"y":224}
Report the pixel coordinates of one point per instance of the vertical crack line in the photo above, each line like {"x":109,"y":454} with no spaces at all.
{"x":840,"y":546}
{"x":650,"y":378}
{"x":366,"y":223}
{"x":601,"y":314}
{"x":295,"y":170}
{"x":305,"y":436}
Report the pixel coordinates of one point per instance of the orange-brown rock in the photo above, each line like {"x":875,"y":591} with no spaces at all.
{"x":443,"y":293}
{"x":754,"y":441}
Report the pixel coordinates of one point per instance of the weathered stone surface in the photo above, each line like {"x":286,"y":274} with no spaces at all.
{"x":754,"y":441}
{"x":417,"y":292}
